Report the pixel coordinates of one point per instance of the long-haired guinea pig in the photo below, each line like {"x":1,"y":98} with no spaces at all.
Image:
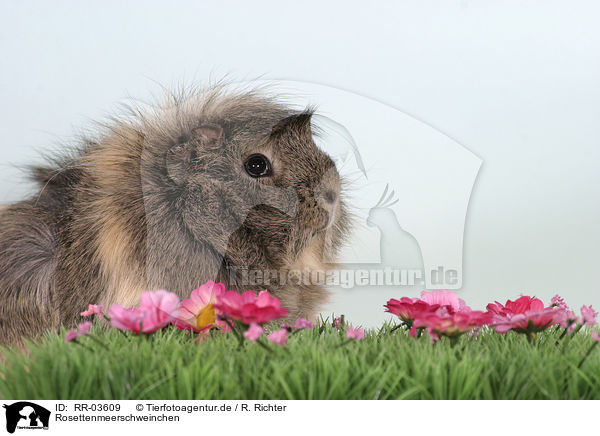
{"x":216,"y":185}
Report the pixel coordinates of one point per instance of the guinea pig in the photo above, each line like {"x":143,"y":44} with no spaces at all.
{"x":209,"y":185}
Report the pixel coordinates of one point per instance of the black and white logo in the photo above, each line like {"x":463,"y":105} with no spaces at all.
{"x":26,"y":415}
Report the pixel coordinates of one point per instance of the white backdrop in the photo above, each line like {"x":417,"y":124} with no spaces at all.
{"x":516,"y":83}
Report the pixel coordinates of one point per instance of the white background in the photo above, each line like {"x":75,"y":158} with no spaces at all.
{"x":514,"y":82}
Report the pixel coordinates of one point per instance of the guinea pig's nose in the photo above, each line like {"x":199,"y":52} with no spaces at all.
{"x":328,"y":200}
{"x":330,"y":196}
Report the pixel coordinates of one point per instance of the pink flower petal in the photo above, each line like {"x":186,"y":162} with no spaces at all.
{"x":83,"y":328}
{"x":278,"y":337}
{"x":559,"y":302}
{"x":126,"y":318}
{"x":407,"y":309}
{"x":588,"y":316}
{"x":253,"y":333}
{"x":452,"y":324}
{"x":93,"y":309}
{"x":203,"y":296}
{"x":71,"y":335}
{"x":192,"y":308}
{"x":250,"y":308}
{"x":160,"y":309}
{"x":302,"y":323}
{"x":353,"y":333}
{"x":443,"y":298}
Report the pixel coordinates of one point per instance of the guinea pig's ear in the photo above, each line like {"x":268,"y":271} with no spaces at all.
{"x":297,"y":124}
{"x":180,"y":157}
{"x":209,"y":135}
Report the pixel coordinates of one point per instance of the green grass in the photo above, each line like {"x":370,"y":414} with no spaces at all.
{"x":385,"y":365}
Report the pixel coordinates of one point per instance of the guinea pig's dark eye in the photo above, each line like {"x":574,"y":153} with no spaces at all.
{"x":257,"y":165}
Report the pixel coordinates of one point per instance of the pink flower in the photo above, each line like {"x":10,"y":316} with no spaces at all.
{"x":336,"y":322}
{"x":520,"y":305}
{"x":161,"y":308}
{"x":353,"y":333}
{"x":155,"y":311}
{"x":71,"y":335}
{"x":530,"y":321}
{"x":254,"y":332}
{"x":525,"y":315}
{"x":588,"y":316}
{"x":302,"y":323}
{"x":82,"y":329}
{"x":595,"y":336}
{"x":93,"y":310}
{"x":408,"y":309}
{"x":197,"y":313}
{"x":126,"y":318}
{"x":444,"y":298}
{"x":558,"y":302}
{"x":249,"y":308}
{"x":278,"y":337}
{"x":452,"y":324}
{"x":565,"y":318}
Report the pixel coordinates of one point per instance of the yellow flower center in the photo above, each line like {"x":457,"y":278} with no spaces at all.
{"x":205,"y":316}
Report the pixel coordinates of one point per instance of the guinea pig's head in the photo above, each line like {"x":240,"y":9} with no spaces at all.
{"x":253,"y":186}
{"x":309,"y":231}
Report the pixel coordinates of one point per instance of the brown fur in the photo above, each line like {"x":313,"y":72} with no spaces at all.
{"x":161,"y":200}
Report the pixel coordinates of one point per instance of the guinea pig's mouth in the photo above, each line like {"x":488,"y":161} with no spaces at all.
{"x":332,"y":213}
{"x":329,"y":224}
